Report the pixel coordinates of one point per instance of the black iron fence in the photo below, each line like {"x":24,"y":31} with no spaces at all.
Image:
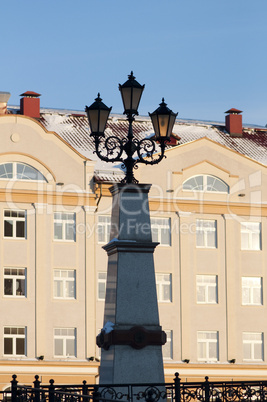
{"x":177,"y":391}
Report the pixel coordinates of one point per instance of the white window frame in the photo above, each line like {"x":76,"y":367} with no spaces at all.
{"x":14,"y":220}
{"x":167,"y":349}
{"x":60,"y":220}
{"x":65,"y":280}
{"x":200,"y":281}
{"x":101,"y":282}
{"x":207,"y":341}
{"x":159,"y":225}
{"x":14,"y":277}
{"x":253,"y":343}
{"x":247,"y":229}
{"x":64,"y":337}
{"x":205,"y":231}
{"x":254,"y":286}
{"x":15,"y":174}
{"x":162,"y":282}
{"x":205,"y":184}
{"x":14,"y":337}
{"x":104,"y":228}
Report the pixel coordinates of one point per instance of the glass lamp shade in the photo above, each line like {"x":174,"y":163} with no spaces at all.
{"x":97,"y":115}
{"x":131,"y":92}
{"x":163,"y":120}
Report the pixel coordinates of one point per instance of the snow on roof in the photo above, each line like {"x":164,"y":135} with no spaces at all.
{"x":251,"y":144}
{"x":74,"y":129}
{"x":108,"y":176}
{"x":72,"y":126}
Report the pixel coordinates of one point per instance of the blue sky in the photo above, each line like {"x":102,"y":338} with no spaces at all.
{"x":204,"y":56}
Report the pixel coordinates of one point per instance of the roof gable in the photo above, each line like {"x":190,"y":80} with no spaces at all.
{"x":212,"y":142}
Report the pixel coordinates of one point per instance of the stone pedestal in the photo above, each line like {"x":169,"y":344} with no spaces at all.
{"x":131,"y":299}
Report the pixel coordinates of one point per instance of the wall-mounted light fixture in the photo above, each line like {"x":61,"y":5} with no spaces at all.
{"x":232,"y":361}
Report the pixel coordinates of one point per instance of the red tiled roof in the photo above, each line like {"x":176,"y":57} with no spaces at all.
{"x":74,"y":129}
{"x":253,"y":145}
{"x":108,"y":176}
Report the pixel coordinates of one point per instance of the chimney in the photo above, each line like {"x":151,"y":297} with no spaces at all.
{"x":233,"y":122}
{"x":30,"y":104}
{"x":4,"y":96}
{"x":174,"y":139}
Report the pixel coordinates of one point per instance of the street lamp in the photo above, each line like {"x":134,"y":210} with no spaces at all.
{"x":114,"y":149}
{"x":131,"y":338}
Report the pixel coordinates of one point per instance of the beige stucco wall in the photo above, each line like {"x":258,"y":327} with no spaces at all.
{"x":40,"y":254}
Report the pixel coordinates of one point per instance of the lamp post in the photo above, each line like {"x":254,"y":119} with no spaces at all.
{"x":131,"y":339}
{"x":112,"y":148}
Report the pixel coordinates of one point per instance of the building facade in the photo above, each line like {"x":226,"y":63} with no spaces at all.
{"x":208,"y":213}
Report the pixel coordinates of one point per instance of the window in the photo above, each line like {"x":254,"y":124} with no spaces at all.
{"x":252,"y":291}
{"x":206,"y":233}
{"x":253,"y":346}
{"x":207,"y":344}
{"x":103,"y":229}
{"x":15,"y":224}
{"x":102,"y":280}
{"x":207,"y":289}
{"x":205,"y":183}
{"x":164,"y":287}
{"x":15,"y":282}
{"x":64,"y":284}
{"x":14,"y":341}
{"x":20,"y":171}
{"x":250,"y":236}
{"x":65,"y":342}
{"x":167,"y":350}
{"x":64,"y":226}
{"x":161,"y":231}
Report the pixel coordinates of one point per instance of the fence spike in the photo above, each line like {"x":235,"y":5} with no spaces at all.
{"x":14,"y":388}
{"x":177,"y":388}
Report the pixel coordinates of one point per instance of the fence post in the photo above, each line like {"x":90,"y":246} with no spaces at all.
{"x":96,"y":394}
{"x":85,"y":388}
{"x":51,"y":391}
{"x":207,"y":389}
{"x":36,"y":384}
{"x":14,"y":388}
{"x":177,"y":388}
